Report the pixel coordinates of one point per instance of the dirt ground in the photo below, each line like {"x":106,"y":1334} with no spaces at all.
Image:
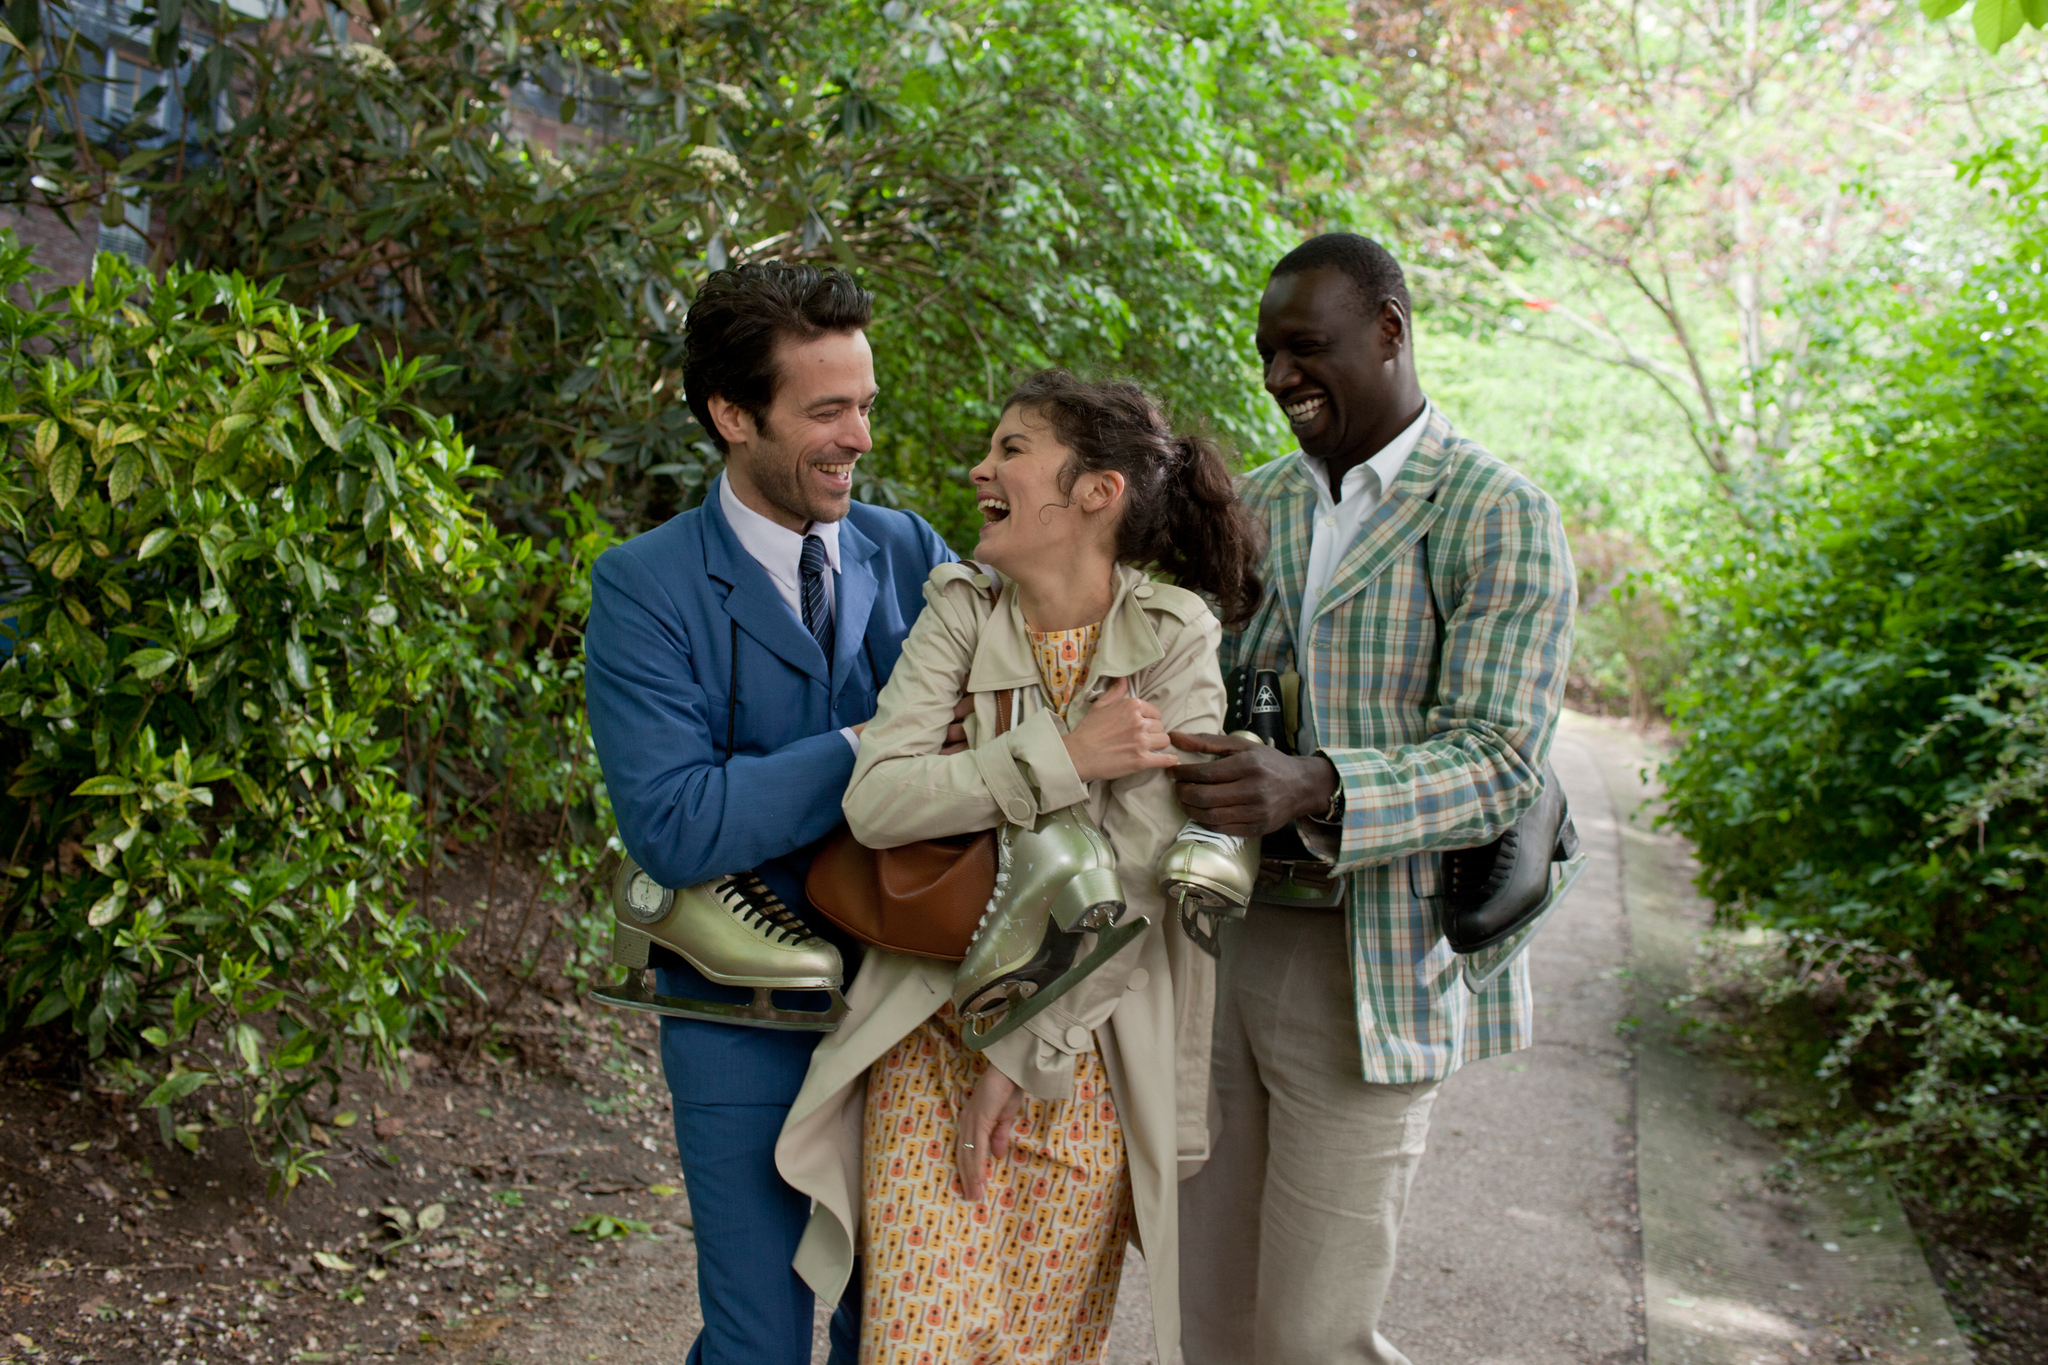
{"x":523,"y":1172}
{"x":1996,"y":1284}
{"x":562,"y":1232}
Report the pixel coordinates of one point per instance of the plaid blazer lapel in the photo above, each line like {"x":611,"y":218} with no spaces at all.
{"x":1401,"y":518}
{"x":1407,"y":511}
{"x":1288,"y":504}
{"x":1388,"y":533}
{"x":1290,"y":523}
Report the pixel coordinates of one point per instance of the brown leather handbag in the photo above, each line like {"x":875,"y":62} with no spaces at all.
{"x":925,"y":899}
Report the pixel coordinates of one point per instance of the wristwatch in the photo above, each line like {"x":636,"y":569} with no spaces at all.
{"x":1335,"y":814}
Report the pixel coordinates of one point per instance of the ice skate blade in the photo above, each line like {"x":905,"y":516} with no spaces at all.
{"x":1480,"y":968}
{"x":1202,"y":921}
{"x":760,"y":1012}
{"x":1108,"y":943}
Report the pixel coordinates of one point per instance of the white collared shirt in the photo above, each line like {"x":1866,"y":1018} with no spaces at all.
{"x":1336,"y":528}
{"x":780,"y":551}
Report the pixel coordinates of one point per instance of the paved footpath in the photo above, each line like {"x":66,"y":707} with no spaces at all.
{"x":1523,"y":1243}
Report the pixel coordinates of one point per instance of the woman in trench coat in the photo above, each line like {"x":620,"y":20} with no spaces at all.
{"x":990,"y":1195}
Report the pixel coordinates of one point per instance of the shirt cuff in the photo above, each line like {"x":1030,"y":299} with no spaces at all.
{"x":851,"y":737}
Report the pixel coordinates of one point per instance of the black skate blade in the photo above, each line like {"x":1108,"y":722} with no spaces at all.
{"x":1480,"y":968}
{"x":1201,"y":925}
{"x":760,"y":1012}
{"x":1108,"y":943}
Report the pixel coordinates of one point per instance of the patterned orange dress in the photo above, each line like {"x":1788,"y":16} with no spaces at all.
{"x":1029,"y":1275}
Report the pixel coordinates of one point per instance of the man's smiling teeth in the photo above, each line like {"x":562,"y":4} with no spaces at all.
{"x":835,"y":470}
{"x":1306,"y":408}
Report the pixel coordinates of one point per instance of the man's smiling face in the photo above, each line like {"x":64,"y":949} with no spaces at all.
{"x":1329,"y":362}
{"x":795,"y":464}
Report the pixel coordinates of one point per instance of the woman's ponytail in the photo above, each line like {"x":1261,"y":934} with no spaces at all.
{"x":1206,"y":538}
{"x":1181,"y":513}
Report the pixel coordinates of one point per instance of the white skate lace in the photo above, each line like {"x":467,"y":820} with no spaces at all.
{"x":1201,"y":834}
{"x":748,"y":897}
{"x":1002,"y":885}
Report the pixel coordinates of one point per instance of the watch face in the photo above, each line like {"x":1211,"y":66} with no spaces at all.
{"x":646,"y":900}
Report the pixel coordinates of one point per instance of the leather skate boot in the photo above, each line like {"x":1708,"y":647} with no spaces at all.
{"x":734,"y":930}
{"x":1209,"y":877}
{"x":1056,"y":884}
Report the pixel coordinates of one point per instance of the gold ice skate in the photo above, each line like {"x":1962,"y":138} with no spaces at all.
{"x":1056,"y":884}
{"x":734,"y":930}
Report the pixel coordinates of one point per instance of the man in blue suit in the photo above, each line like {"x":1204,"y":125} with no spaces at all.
{"x":734,"y":654}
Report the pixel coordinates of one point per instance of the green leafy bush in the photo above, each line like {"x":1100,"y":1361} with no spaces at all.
{"x":1828,"y":730}
{"x":1864,"y":737}
{"x":494,"y":744}
{"x":1019,"y":182}
{"x":223,"y":560}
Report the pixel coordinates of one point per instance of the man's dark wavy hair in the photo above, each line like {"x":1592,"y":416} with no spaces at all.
{"x":738,"y":316}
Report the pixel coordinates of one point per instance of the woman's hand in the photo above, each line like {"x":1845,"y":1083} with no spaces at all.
{"x":1119,"y":736}
{"x":985,"y":1129}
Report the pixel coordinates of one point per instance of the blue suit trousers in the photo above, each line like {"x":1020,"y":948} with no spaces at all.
{"x":733,"y":1087}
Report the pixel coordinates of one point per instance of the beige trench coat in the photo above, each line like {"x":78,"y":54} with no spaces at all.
{"x":1149,"y":1009}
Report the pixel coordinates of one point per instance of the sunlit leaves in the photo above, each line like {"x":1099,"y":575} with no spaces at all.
{"x":149,"y":663}
{"x":1996,"y":22}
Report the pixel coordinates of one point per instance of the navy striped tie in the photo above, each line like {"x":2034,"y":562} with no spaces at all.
{"x":817,"y":607}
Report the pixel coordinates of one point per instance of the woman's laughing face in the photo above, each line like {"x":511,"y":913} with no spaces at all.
{"x":1027,"y":518}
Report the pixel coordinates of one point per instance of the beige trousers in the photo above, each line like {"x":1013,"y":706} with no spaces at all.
{"x":1287,"y":1234}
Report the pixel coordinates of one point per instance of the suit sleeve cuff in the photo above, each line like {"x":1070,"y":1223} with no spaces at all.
{"x":1347,"y":842}
{"x":848,"y":733}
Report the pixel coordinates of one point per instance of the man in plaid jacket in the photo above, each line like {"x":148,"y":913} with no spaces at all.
{"x":1424,"y":592}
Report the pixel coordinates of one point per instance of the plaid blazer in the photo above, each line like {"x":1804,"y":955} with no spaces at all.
{"x":1437,"y":748}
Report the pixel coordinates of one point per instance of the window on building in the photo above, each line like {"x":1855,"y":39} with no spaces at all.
{"x":128,"y":83}
{"x":129,"y":237}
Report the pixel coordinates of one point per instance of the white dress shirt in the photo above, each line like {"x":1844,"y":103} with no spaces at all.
{"x":780,"y":551}
{"x":1336,"y":527}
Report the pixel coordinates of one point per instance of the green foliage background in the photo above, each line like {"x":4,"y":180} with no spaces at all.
{"x":1864,"y":751}
{"x":1104,"y":185}
{"x":226,"y":554}
{"x":299,"y":531}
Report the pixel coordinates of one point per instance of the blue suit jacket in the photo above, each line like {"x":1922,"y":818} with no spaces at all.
{"x":715,"y":713}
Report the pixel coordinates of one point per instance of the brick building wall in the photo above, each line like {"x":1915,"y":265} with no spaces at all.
{"x":66,"y":252}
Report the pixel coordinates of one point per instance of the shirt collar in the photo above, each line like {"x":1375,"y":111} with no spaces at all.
{"x":777,"y":549}
{"x":1382,"y":469}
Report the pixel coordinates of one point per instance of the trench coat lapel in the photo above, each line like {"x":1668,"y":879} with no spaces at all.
{"x":1003,"y":657}
{"x":1401,"y":519}
{"x":753,"y":602}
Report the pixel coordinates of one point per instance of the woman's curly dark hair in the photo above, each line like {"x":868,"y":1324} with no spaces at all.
{"x":1181,"y":510}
